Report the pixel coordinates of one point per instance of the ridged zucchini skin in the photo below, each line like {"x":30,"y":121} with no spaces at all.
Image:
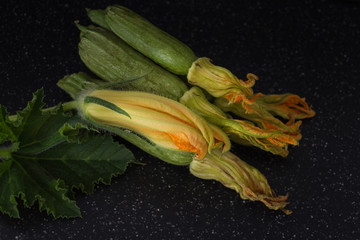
{"x":159,"y":46}
{"x":98,"y":16}
{"x":113,"y":60}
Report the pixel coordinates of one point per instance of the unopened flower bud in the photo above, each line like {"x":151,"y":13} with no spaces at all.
{"x":219,"y":81}
{"x":164,"y":122}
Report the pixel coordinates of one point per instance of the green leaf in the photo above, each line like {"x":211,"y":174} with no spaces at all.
{"x":6,"y":132}
{"x":48,"y":154}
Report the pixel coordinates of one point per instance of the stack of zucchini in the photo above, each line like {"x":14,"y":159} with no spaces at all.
{"x":127,"y":52}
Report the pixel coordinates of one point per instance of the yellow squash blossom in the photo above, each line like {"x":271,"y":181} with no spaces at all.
{"x":220,"y":82}
{"x":234,"y":173}
{"x":287,"y":105}
{"x":163,"y":121}
{"x":255,"y":113}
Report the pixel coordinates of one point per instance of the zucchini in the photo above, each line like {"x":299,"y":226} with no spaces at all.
{"x":113,"y":60}
{"x":151,"y":41}
{"x":98,"y":16}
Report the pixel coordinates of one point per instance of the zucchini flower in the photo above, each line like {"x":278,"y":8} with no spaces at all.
{"x":163,"y":122}
{"x":234,"y":173}
{"x":220,"y":82}
{"x":255,"y":113}
{"x":287,"y":106}
{"x":240,"y":131}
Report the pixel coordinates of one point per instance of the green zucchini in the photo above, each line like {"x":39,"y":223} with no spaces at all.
{"x":151,"y":41}
{"x":113,"y":60}
{"x":98,"y":16}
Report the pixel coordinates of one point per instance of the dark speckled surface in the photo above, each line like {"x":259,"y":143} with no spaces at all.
{"x":306,"y":47}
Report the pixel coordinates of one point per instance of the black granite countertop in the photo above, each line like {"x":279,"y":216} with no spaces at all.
{"x":310,"y":48}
